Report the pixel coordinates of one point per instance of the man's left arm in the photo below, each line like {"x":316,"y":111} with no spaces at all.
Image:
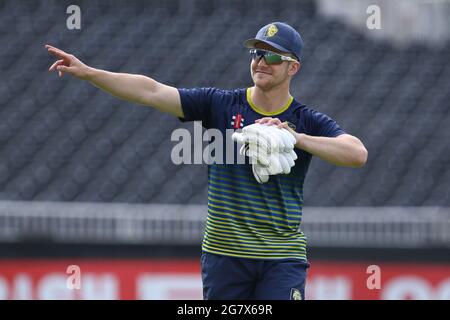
{"x":344,"y":150}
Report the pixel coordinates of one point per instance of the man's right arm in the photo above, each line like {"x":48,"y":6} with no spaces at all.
{"x":138,"y":89}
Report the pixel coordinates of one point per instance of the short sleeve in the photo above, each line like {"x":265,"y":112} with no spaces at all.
{"x":197,"y":104}
{"x":324,"y":126}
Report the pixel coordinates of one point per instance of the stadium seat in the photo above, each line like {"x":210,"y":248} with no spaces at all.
{"x":76,"y":143}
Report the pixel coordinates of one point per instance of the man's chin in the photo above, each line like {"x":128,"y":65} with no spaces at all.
{"x":262,"y":84}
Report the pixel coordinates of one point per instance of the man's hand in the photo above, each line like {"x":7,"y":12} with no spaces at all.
{"x":273,"y":122}
{"x":268,"y":121}
{"x":67,"y":63}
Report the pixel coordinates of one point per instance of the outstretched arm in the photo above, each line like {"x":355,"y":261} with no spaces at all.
{"x":131,"y":87}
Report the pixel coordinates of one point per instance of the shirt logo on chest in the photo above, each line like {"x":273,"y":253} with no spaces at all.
{"x":237,"y":121}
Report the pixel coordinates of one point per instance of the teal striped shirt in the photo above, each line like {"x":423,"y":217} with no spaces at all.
{"x":252,"y":220}
{"x":247,"y":219}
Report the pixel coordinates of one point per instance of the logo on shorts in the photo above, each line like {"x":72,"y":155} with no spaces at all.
{"x":271,"y":30}
{"x":295,"y":294}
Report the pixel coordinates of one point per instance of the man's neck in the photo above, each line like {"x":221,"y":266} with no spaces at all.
{"x":271,"y":100}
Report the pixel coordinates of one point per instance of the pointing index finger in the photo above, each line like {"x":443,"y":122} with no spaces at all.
{"x":47,"y":46}
{"x":57,"y":52}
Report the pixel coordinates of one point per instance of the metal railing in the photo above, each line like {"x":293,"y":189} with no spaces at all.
{"x":73,"y":222}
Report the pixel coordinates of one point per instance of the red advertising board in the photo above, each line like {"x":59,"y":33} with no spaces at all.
{"x":397,"y":281}
{"x":180,"y":279}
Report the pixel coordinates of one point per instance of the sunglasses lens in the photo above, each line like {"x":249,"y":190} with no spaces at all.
{"x":253,"y":54}
{"x":271,"y":58}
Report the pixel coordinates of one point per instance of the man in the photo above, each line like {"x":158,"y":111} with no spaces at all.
{"x":253,"y":247}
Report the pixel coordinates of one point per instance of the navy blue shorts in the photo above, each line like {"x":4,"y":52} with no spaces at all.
{"x":230,"y":278}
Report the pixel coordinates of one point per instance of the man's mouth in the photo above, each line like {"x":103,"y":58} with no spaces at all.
{"x":259,"y":71}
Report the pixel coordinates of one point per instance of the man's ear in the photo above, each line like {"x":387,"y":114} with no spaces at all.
{"x":294,"y":68}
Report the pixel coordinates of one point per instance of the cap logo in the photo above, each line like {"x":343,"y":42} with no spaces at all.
{"x":271,"y":30}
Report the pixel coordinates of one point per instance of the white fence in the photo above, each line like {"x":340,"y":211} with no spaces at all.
{"x":394,"y":227}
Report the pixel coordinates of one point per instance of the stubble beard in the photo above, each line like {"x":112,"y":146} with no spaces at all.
{"x":267,"y":85}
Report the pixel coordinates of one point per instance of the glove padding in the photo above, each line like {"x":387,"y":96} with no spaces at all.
{"x":271,"y":150}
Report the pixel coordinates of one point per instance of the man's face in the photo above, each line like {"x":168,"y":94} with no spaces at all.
{"x":267,"y":76}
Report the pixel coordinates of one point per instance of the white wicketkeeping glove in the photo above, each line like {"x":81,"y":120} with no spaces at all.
{"x":271,"y":150}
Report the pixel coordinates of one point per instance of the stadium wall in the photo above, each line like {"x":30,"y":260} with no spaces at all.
{"x":136,"y":251}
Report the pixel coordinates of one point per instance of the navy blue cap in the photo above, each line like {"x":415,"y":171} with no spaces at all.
{"x":280,"y":36}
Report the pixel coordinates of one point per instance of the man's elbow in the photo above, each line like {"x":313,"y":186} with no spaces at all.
{"x":356,"y":155}
{"x":360,"y":158}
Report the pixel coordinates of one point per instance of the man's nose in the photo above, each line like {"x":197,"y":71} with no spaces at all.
{"x":262,"y":62}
